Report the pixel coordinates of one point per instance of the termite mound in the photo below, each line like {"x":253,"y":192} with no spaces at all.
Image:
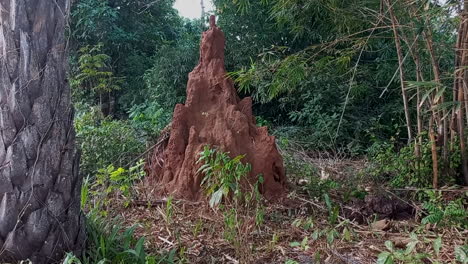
{"x":213,"y":114}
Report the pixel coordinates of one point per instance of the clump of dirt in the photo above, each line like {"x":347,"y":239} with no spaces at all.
{"x":214,"y":115}
{"x":378,"y":205}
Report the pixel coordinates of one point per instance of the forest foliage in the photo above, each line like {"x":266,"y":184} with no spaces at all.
{"x":324,"y":73}
{"x":361,"y":79}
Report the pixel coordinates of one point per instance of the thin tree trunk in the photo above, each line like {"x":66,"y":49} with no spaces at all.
{"x":40,"y":215}
{"x":401,"y":67}
{"x":460,"y":83}
{"x":435,"y":163}
{"x":202,"y":4}
{"x":442,"y":125}
{"x":461,"y":134}
{"x":414,"y":51}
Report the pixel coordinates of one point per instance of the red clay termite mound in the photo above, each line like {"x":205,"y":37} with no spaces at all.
{"x":214,"y":115}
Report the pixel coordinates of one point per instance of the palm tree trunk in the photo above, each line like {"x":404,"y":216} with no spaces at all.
{"x":40,"y":215}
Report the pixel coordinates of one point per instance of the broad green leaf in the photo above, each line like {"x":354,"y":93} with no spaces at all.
{"x":216,"y":198}
{"x":389,"y":245}
{"x":410,"y":247}
{"x":385,"y":258}
{"x":461,"y":254}
{"x":295,"y":244}
{"x":437,"y":245}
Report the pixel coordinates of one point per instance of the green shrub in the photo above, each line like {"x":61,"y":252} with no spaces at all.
{"x":149,"y":119}
{"x":104,"y":141}
{"x":110,"y":242}
{"x":112,"y":183}
{"x":443,"y":213}
{"x":222,"y":175}
{"x":404,"y":169}
{"x":407,"y":255}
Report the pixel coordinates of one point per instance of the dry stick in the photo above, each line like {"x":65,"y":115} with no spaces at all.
{"x":402,"y":73}
{"x":422,"y":189}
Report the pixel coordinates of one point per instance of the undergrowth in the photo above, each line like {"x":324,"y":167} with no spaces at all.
{"x":108,"y":240}
{"x":402,"y":168}
{"x":226,"y":181}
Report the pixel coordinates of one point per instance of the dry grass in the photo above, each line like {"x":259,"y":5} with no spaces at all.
{"x":196,"y":232}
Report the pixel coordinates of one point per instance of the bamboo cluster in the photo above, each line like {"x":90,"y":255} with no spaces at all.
{"x":443,"y":123}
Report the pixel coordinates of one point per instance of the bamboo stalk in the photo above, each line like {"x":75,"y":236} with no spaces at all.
{"x":462,"y":76}
{"x":401,"y":69}
{"x":435,"y":163}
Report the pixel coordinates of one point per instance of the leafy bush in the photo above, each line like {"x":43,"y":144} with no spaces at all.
{"x":439,"y":212}
{"x":149,"y":118}
{"x":112,"y":182}
{"x":109,"y":242}
{"x":104,"y":141}
{"x":94,"y":73}
{"x":222,"y":175}
{"x":403,"y":168}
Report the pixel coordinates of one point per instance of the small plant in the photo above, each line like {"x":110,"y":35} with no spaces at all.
{"x":199,"y":226}
{"x":95,"y":72}
{"x":109,"y":242}
{"x":403,"y":168}
{"x":303,"y":245}
{"x":461,"y":254}
{"x":408,"y":255}
{"x":261,"y":122}
{"x":273,"y":242}
{"x":112,"y":183}
{"x":225,"y":181}
{"x":222,"y":175}
{"x":305,"y":224}
{"x":442,"y":213}
{"x":333,"y":210}
{"x":169,"y":209}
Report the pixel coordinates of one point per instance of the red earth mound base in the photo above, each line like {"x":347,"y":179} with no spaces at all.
{"x":214,"y":115}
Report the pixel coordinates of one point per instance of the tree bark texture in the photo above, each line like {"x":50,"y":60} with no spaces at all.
{"x":40,"y":215}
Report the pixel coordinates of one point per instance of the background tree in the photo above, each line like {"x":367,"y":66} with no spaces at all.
{"x":40,"y":215}
{"x":130,"y":33}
